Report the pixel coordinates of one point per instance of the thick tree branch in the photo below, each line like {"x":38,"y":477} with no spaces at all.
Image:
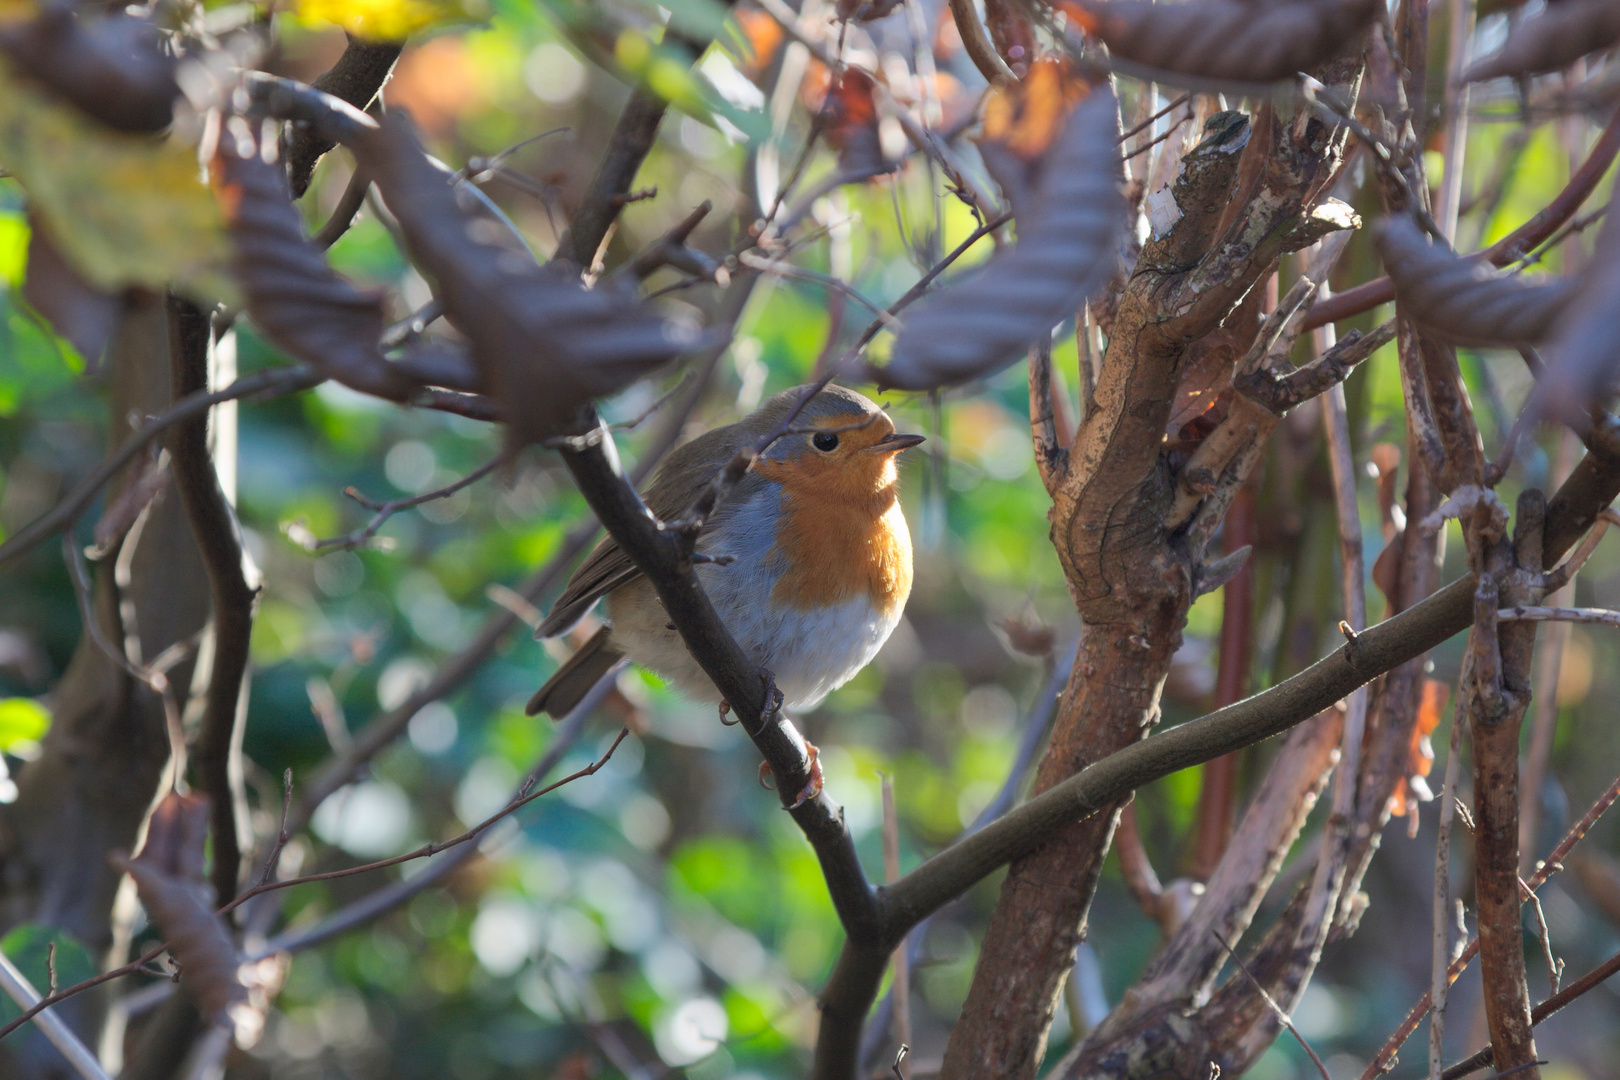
{"x":1595,"y":482}
{"x":232,"y":596}
{"x":356,"y":78}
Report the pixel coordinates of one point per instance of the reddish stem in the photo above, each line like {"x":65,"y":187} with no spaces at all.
{"x":1514,"y":245}
{"x":1217,"y":796}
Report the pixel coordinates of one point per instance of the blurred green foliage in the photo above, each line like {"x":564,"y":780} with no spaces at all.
{"x":665,"y":906}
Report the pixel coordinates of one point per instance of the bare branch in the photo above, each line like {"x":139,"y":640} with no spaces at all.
{"x":20,"y":990}
{"x":262,"y":385}
{"x":385,"y":510}
{"x":1385,"y":1057}
{"x":356,"y":79}
{"x":232,"y":595}
{"x":1481,"y":1059}
{"x":1511,"y":247}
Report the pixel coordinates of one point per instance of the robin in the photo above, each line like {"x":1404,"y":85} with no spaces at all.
{"x":809,"y":557}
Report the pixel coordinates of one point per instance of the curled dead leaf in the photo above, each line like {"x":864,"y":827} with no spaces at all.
{"x":1465,"y":301}
{"x":112,"y":67}
{"x":1585,"y":352}
{"x":1551,"y":39}
{"x":852,"y":123}
{"x":168,"y":874}
{"x":1067,"y":249}
{"x":293,"y":294}
{"x":544,"y":344}
{"x":1230,"y":40}
{"x":1027,"y":115}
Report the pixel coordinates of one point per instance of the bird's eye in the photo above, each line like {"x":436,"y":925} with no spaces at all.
{"x":825,"y":441}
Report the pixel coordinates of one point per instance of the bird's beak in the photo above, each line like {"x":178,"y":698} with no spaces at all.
{"x":894,"y":442}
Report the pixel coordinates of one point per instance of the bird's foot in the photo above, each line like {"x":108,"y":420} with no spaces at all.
{"x":773,"y":695}
{"x":725,"y":710}
{"x":813,"y":788}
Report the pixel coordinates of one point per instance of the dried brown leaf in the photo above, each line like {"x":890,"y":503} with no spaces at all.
{"x":1232,"y":40}
{"x":1585,"y":353}
{"x":1067,"y":250}
{"x":1553,"y":38}
{"x":111,"y":67}
{"x":866,"y":10}
{"x":1465,"y":301}
{"x":293,"y":295}
{"x":545,"y":344}
{"x":168,"y":875}
{"x":852,"y":123}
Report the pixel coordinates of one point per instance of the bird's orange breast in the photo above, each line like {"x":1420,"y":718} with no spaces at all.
{"x":839,"y":537}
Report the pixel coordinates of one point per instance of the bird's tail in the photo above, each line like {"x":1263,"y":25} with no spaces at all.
{"x":574,"y":679}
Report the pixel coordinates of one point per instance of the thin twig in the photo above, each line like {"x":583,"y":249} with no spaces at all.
{"x":902,"y":969}
{"x":1440,"y":957}
{"x":375,"y":903}
{"x":1602,"y":616}
{"x":263,"y":385}
{"x":1382,"y":1060}
{"x":524,"y":798}
{"x":385,"y":510}
{"x":1276,"y":1009}
{"x":437,"y":846}
{"x":20,"y":990}
{"x":1481,"y":1059}
{"x":282,"y":836}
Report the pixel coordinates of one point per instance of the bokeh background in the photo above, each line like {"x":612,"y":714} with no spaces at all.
{"x":664,"y":916}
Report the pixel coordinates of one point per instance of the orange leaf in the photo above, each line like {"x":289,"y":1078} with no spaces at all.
{"x":764,"y":37}
{"x":1420,"y":752}
{"x":1025,"y":116}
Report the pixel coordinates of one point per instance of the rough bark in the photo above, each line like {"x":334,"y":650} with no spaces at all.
{"x":1244,"y":199}
{"x":1495,"y":695}
{"x":100,"y":763}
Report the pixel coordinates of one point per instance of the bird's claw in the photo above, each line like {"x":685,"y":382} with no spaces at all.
{"x":773,"y":695}
{"x":813,"y":788}
{"x":725,"y":710}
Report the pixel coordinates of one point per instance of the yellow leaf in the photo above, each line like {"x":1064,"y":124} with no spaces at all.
{"x":22,"y":720}
{"x":14,"y":11}
{"x":124,"y":209}
{"x":389,"y":20}
{"x":13,"y":249}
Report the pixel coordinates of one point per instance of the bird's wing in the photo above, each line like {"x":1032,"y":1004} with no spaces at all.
{"x":674,"y":488}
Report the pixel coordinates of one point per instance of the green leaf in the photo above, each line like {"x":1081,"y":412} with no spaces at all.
{"x":29,"y":947}
{"x":124,"y":209}
{"x":13,"y":249}
{"x":22,"y":720}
